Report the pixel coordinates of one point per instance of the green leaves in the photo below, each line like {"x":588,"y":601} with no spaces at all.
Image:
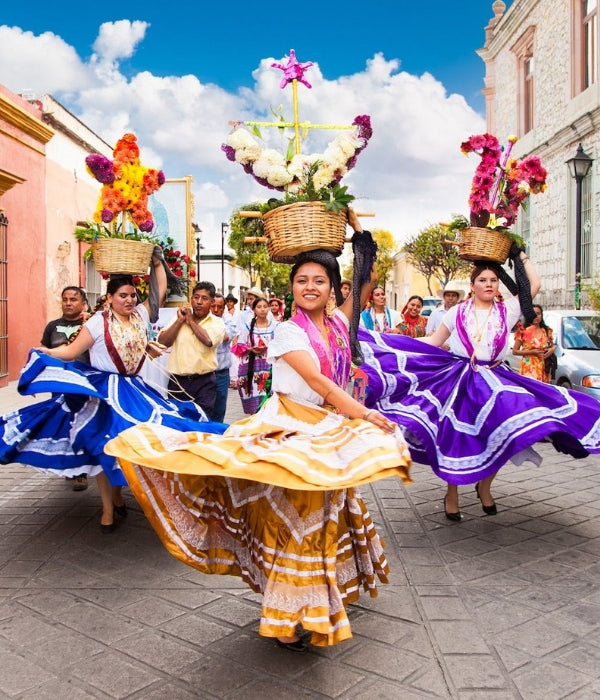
{"x":340,"y":198}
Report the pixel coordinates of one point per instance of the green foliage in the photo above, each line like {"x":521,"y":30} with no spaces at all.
{"x":433,"y":257}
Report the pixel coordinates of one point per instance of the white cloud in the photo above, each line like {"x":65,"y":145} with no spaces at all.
{"x":411,"y":174}
{"x":42,"y":64}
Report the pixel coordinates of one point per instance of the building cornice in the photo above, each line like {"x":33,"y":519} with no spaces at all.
{"x":510,"y":24}
{"x":8,"y":180}
{"x":23,"y":120}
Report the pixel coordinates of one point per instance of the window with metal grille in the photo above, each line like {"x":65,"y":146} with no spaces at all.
{"x":586,"y":226}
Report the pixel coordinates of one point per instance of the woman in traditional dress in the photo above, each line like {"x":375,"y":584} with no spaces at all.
{"x":275,"y":500}
{"x":467,"y":414}
{"x":379,"y":317}
{"x":66,"y":434}
{"x":412,"y":324}
{"x":276,"y":306}
{"x":534,"y":344}
{"x":251,"y":347}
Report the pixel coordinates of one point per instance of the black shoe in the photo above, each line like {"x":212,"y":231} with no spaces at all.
{"x":107,"y":529}
{"x":456,"y":517}
{"x":120,"y":510}
{"x":488,"y":510}
{"x":298,"y":646}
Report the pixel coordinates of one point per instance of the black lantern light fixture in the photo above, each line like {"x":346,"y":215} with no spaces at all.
{"x":199,"y":246}
{"x":579,"y":167}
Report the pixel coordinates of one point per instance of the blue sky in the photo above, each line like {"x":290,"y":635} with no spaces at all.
{"x":222,"y":42}
{"x":176,"y":79}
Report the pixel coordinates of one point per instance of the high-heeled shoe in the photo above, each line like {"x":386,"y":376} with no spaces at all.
{"x":120,"y":510}
{"x":455,"y":517}
{"x":488,"y":510}
{"x":298,"y":646}
{"x":107,"y":529}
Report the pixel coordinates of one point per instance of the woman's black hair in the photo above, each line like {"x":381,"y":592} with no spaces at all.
{"x":542,"y":322}
{"x":117,"y":281}
{"x":329,"y":262}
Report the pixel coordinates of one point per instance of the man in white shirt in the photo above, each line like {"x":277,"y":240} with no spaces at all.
{"x":451,"y":294}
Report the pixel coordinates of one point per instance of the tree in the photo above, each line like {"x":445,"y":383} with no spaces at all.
{"x":386,"y":249}
{"x":253,"y":256}
{"x":429,"y":253}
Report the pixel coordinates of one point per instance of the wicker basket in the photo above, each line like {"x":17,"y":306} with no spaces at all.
{"x":483,"y":244}
{"x":122,"y":256}
{"x":295,"y":228}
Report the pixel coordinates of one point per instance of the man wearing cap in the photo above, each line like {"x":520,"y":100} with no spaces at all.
{"x":451,"y":294}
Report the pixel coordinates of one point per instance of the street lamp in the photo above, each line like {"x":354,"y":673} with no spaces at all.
{"x":224,"y":227}
{"x":199,"y":246}
{"x":579,"y":166}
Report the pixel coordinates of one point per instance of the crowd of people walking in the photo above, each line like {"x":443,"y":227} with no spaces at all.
{"x":275,"y":498}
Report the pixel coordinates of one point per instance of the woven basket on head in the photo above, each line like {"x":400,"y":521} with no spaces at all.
{"x":301,"y":226}
{"x":121,"y":256}
{"x":483,"y":244}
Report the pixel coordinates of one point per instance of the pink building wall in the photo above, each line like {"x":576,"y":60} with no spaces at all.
{"x":23,"y":136}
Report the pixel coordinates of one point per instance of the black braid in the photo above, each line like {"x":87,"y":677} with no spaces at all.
{"x":365,"y":252}
{"x":250,"y":372}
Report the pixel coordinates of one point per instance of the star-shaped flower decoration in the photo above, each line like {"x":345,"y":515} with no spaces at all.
{"x":293,"y":70}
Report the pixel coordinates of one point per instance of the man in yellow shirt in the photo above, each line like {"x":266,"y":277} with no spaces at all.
{"x":194,"y":337}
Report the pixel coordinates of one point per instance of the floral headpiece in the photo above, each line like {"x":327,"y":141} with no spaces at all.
{"x":126,"y":184}
{"x":500,"y":185}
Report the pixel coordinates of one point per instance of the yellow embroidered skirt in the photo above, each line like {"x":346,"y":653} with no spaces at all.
{"x":274,"y":501}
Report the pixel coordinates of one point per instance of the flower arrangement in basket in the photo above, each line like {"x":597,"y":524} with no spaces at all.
{"x":500,"y":187}
{"x":120,"y":234}
{"x":312,"y":211}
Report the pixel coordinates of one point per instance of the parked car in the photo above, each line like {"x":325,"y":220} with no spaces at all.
{"x":429,"y":304}
{"x":577,"y":338}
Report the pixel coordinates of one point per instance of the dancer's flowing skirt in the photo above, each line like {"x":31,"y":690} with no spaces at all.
{"x":467,"y":422}
{"x":274,"y":500}
{"x":66,"y":434}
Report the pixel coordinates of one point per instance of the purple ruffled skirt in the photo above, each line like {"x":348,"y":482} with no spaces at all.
{"x":467,"y":423}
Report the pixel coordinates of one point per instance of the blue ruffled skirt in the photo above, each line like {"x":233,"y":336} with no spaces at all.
{"x":467,"y":423}
{"x":66,"y":434}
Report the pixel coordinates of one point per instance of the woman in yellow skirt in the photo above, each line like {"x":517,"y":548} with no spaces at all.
{"x":275,"y":499}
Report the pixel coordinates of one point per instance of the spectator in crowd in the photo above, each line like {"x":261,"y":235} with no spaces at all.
{"x":536,"y":347}
{"x":451,"y":295}
{"x":223,"y":358}
{"x":379,"y":317}
{"x":346,"y":288}
{"x":58,"y":332}
{"x":251,"y":347}
{"x":412,"y":324}
{"x":194,"y":337}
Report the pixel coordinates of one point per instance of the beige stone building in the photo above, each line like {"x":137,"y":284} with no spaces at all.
{"x":541,"y":84}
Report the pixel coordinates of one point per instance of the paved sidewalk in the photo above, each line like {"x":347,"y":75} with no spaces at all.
{"x":492,"y":607}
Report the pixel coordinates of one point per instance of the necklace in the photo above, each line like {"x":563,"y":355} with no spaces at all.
{"x":479,"y":328}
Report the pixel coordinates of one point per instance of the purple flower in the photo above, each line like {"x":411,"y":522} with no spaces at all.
{"x":161,"y":178}
{"x":363,"y":121}
{"x":107,"y":216}
{"x":101,"y":168}
{"x":228,"y":151}
{"x":147,"y":226}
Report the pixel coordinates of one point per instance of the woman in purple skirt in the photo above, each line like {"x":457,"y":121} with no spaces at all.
{"x":465,"y":413}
